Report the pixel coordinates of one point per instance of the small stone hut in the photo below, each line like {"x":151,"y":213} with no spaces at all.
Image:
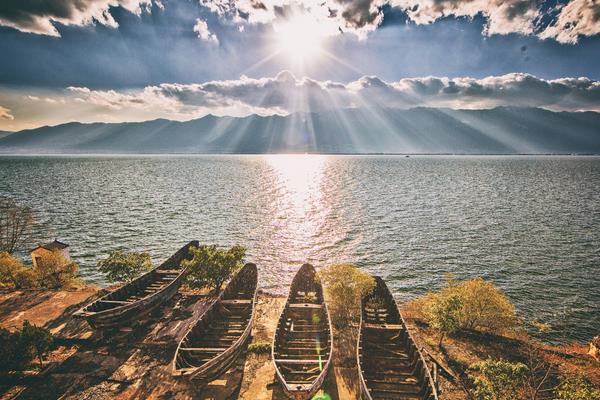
{"x":44,"y":250}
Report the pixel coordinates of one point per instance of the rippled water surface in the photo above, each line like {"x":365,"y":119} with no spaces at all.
{"x":529,"y":224}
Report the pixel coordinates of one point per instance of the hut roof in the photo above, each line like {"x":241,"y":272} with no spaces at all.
{"x":55,"y":245}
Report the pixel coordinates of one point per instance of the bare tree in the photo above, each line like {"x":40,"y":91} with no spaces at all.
{"x":540,"y":373}
{"x":16,"y":222}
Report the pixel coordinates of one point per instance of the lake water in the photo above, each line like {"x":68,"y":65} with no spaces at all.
{"x":529,"y":224}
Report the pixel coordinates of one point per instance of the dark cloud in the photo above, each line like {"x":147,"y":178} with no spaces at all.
{"x":39,"y":16}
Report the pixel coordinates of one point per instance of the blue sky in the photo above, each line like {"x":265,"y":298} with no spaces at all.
{"x":123,"y":60}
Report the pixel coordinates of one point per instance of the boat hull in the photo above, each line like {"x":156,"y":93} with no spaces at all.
{"x":227,"y":323}
{"x":303,"y":344}
{"x":390,"y":364}
{"x":125,"y":311}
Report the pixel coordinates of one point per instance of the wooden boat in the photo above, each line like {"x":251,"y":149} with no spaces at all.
{"x":389,"y":363}
{"x":303,"y":343}
{"x":140,"y":296}
{"x":215,"y":341}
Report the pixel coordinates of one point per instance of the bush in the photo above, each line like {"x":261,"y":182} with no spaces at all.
{"x":259,"y":348}
{"x":12,"y":358}
{"x":55,"y":272}
{"x":443,"y":314}
{"x":576,"y":389}
{"x":26,"y":278}
{"x":480,"y":306}
{"x":18,"y":349}
{"x":498,"y":380}
{"x":211,"y":266}
{"x":345,"y":286}
{"x":121,"y":266}
{"x":36,"y":341}
{"x":14,"y":274}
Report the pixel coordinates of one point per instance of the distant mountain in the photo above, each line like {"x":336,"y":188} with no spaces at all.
{"x":4,"y":133}
{"x":502,"y":130}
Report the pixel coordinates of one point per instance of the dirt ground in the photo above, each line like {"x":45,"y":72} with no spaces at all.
{"x":135,"y":363}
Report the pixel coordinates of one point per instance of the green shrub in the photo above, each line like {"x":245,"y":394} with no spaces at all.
{"x":212,"y":266}
{"x":12,"y":356}
{"x":36,"y":340}
{"x":473,"y":304}
{"x":577,"y":388}
{"x":345,"y":286}
{"x":259,"y":348}
{"x":443,"y":314}
{"x":121,"y":266}
{"x":19,"y":349}
{"x":498,"y":380}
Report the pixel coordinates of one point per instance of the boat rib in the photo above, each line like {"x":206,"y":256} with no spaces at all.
{"x":220,"y":335}
{"x":139,"y":297}
{"x":390,"y":364}
{"x":303,"y":343}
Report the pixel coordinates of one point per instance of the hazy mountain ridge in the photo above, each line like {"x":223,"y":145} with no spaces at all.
{"x":502,"y":130}
{"x":4,"y":134}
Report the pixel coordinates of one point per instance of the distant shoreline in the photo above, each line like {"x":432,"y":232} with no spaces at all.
{"x":301,"y":154}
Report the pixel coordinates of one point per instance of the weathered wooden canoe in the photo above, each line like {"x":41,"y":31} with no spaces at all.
{"x":140,"y":296}
{"x":303,"y":343}
{"x":215,"y":341}
{"x":390,"y":365}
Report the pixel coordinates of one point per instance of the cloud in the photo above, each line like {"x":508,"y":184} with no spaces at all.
{"x":201,"y":28}
{"x":577,"y":18}
{"x":285,"y":93}
{"x":503,"y":16}
{"x":39,"y":16}
{"x":5,"y":114}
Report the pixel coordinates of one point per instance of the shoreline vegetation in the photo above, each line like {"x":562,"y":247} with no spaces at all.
{"x":469,"y":332}
{"x":132,"y":362}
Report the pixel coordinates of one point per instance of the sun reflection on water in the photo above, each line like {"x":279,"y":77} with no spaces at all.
{"x":298,"y":207}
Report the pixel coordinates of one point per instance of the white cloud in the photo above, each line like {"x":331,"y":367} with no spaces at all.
{"x":201,"y":28}
{"x":285,"y":93}
{"x":579,"y":17}
{"x":39,"y":16}
{"x":5,"y":114}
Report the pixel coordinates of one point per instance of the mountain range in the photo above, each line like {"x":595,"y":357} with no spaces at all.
{"x":502,"y":130}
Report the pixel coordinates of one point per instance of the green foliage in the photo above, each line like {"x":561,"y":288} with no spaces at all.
{"x":443,"y":314}
{"x":473,"y":304}
{"x":576,"y":389}
{"x":212,"y":266}
{"x":36,"y":340}
{"x":259,"y":348}
{"x":12,"y":358}
{"x":345,"y":285}
{"x":121,"y":266}
{"x":18,"y":349}
{"x":498,"y":380}
{"x":55,"y":272}
{"x":14,"y":274}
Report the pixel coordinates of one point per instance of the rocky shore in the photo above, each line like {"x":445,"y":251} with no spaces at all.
{"x":134,"y":362}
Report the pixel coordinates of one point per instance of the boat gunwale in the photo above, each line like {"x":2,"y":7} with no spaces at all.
{"x":364,"y":391}
{"x":318,"y":382}
{"x":84,"y":313}
{"x":231,"y":349}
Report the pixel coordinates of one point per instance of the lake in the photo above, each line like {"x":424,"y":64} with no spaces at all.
{"x":529,"y":224}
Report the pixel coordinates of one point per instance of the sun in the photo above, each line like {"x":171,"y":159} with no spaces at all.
{"x":299,"y":38}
